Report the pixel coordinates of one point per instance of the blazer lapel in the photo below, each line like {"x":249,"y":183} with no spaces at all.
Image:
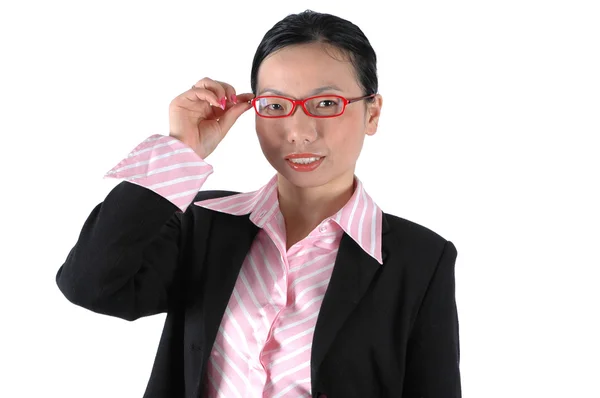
{"x":353,"y":272}
{"x":230,"y":239}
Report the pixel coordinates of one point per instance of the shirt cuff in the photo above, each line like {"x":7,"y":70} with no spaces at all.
{"x":166,"y":166}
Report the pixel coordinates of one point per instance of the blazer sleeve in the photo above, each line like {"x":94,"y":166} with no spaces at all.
{"x":125,"y":260}
{"x":433,"y":353}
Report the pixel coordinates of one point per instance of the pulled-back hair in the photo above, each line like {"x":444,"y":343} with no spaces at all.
{"x":314,"y":27}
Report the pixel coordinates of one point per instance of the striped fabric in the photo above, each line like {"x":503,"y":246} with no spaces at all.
{"x":166,"y":166}
{"x":263,"y":346}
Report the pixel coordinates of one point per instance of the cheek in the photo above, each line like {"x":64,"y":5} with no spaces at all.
{"x":346,"y":138}
{"x":267,"y":140}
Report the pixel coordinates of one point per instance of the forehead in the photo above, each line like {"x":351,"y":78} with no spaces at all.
{"x":298,"y":69}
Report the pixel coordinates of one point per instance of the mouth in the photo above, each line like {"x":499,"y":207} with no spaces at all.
{"x":304,"y":161}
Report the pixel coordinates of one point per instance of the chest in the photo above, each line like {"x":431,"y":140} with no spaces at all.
{"x":265,"y":336}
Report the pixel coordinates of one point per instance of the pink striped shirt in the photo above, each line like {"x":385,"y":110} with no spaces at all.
{"x":263,"y":346}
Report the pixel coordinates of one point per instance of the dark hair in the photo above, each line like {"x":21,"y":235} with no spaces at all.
{"x":310,"y":26}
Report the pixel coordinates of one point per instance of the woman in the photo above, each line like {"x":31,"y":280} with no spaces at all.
{"x":303,"y":288}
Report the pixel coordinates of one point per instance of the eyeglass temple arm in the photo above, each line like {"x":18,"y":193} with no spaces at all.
{"x":361,"y":98}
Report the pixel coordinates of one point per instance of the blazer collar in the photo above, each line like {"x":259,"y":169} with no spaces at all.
{"x":360,"y":217}
{"x":232,"y":237}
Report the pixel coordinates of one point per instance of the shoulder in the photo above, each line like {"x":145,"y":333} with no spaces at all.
{"x":212,"y":194}
{"x":195,"y":213}
{"x":401,"y":232}
{"x":412,"y":250}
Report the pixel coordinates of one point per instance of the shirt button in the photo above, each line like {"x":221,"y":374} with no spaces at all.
{"x":322,"y":228}
{"x":262,"y":214}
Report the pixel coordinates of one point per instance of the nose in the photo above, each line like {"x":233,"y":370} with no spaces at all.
{"x":301,"y":128}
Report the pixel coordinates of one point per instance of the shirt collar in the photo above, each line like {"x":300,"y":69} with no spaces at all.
{"x":360,"y":217}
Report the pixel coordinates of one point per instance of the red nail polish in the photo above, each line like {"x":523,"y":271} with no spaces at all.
{"x":223,"y":102}
{"x":234,"y":98}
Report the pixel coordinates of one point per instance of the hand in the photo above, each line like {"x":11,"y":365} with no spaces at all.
{"x":202,"y":116}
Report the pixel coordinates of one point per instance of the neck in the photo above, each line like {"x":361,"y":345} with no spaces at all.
{"x":304,"y":208}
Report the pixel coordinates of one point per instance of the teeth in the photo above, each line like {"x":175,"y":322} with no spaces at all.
{"x":304,"y":160}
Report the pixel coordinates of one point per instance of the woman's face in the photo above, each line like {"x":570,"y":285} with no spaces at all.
{"x":302,"y":71}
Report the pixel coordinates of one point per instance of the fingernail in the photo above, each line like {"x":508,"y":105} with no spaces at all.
{"x":234,"y":98}
{"x":223,"y":102}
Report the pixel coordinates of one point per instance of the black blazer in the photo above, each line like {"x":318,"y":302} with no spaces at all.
{"x":386,"y":330}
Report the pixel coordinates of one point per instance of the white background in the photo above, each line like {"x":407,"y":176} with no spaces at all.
{"x":489,"y":136}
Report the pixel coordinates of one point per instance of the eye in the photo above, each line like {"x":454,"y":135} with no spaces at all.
{"x":327,"y":103}
{"x":275,"y":107}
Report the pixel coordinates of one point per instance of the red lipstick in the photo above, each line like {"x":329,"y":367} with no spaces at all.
{"x":308,"y":162}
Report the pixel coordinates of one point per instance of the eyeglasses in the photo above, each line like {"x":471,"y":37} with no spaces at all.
{"x":320,"y":106}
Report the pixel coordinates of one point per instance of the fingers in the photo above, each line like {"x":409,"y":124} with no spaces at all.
{"x":223,"y":91}
{"x":221,"y":95}
{"x":232,"y":114}
{"x":245,"y":97}
{"x":229,"y":92}
{"x":194,"y":94}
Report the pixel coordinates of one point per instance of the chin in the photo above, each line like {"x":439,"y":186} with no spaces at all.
{"x":312,"y":179}
{"x":305,"y":180}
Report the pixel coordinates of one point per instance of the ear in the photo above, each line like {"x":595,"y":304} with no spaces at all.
{"x":373,"y":113}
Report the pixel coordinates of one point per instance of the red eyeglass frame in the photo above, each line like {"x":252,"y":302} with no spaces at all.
{"x":302,"y":103}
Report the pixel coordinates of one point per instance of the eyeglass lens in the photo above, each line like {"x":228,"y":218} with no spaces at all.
{"x":321,"y":106}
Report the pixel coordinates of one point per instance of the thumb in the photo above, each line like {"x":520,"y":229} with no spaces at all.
{"x":232,"y":114}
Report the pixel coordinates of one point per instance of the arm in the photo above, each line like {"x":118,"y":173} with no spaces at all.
{"x":125,"y":260}
{"x":433,"y":355}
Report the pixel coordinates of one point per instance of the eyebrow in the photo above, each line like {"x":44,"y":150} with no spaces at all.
{"x":314,"y":92}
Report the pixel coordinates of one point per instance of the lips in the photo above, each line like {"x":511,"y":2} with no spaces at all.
{"x":304,"y":161}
